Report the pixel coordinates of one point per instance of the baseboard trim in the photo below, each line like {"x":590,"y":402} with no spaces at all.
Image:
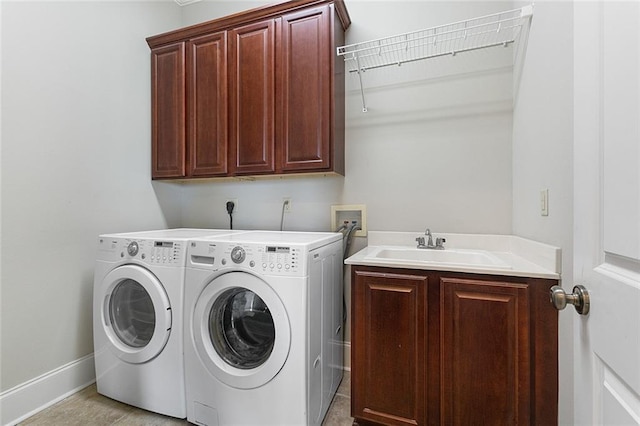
{"x":29,"y":398}
{"x":26,"y":399}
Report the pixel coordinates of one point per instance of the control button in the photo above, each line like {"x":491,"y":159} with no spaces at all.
{"x":271,"y":265}
{"x":252,"y":263}
{"x":287,"y":266}
{"x":144,"y":256}
{"x":224,"y":261}
{"x":264,"y":265}
{"x":279,"y":266}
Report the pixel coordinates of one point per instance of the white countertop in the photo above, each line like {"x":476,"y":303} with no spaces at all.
{"x":515,"y":256}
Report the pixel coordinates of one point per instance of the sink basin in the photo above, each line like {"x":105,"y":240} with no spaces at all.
{"x":458,"y":257}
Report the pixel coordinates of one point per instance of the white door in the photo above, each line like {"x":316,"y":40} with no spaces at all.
{"x":607,"y":211}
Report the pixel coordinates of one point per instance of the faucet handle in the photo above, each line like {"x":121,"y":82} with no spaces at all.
{"x":440,"y":242}
{"x":420,"y":241}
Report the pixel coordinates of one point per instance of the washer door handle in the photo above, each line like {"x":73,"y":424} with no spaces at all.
{"x":105,"y":311}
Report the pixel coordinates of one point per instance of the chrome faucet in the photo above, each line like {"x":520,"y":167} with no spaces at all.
{"x":439,"y":245}
{"x":428,"y":234}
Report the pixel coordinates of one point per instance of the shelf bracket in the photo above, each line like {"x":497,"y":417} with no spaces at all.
{"x":360,"y":71}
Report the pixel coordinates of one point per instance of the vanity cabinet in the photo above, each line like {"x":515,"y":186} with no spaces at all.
{"x":389,"y":347}
{"x":256,"y":93}
{"x":433,"y":348}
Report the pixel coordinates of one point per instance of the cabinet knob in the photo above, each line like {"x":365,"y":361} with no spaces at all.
{"x":579,"y":298}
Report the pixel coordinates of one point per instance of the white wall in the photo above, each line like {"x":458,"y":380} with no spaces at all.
{"x":543,"y":156}
{"x":434,"y":150}
{"x":75,"y":163}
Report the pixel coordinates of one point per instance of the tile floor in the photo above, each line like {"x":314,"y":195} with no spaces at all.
{"x":87,"y":407}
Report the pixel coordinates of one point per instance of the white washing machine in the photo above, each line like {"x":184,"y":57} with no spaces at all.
{"x":263,"y":340}
{"x":138,"y":318}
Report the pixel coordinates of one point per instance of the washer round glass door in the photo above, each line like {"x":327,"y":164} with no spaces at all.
{"x":136,"y":313}
{"x":241,"y":330}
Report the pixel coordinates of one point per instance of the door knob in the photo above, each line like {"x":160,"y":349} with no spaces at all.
{"x":579,"y":298}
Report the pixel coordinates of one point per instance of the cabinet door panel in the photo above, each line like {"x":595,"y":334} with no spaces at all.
{"x":168,"y":111}
{"x":485,"y":366}
{"x":305,"y":88}
{"x":207,"y":109}
{"x":252,"y":97}
{"x":388,"y":352}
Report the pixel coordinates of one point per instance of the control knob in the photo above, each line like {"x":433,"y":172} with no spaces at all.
{"x":133,"y":248}
{"x":238,"y":254}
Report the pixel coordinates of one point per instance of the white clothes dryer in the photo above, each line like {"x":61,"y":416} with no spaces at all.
{"x":263,"y":340}
{"x":138,"y":318}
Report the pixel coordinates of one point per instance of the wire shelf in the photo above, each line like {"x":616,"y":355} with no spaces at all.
{"x":499,"y":29}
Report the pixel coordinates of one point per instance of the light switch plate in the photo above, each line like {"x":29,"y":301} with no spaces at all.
{"x":544,"y":202}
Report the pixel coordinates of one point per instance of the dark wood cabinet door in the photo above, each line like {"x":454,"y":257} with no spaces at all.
{"x":207,"y":105}
{"x":388,"y":348}
{"x":168,"y":111}
{"x":252,"y":98}
{"x":304,"y":91}
{"x":486,"y":346}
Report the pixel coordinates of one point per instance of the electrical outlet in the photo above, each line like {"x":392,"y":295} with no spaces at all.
{"x":286,"y":201}
{"x":235,"y":205}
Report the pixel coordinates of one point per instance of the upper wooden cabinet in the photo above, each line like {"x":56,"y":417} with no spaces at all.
{"x":252,"y":97}
{"x":168,"y":115}
{"x":304,"y":91}
{"x":255,"y":93}
{"x":207,"y":107}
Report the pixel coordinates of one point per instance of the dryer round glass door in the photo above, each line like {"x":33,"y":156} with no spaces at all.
{"x":241,"y":330}
{"x":136,"y":313}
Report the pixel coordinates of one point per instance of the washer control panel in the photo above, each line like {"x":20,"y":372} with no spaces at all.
{"x":153,"y":252}
{"x":286,"y":260}
{"x":278,"y":258}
